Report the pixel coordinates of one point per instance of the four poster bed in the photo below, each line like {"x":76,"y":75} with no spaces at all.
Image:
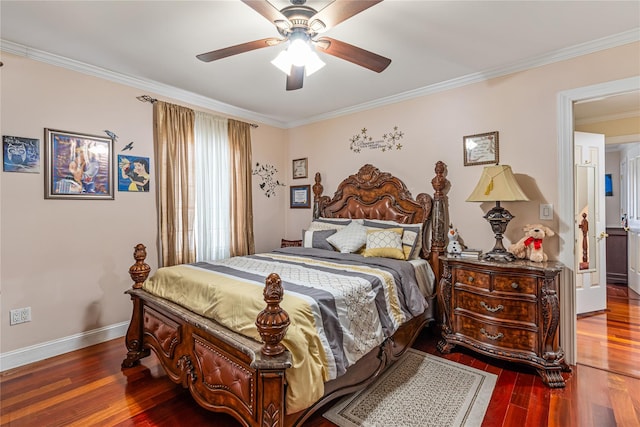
{"x":346,"y":314}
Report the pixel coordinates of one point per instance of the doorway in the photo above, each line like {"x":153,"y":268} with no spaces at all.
{"x":566,"y":209}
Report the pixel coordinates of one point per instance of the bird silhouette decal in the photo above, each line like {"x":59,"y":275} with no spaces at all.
{"x":111,"y":135}
{"x":129,"y":146}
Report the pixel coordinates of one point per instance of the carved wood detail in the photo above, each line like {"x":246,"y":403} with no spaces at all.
{"x":273,"y":321}
{"x":139,"y":271}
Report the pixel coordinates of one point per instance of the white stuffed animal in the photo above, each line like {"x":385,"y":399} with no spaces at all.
{"x":530,"y":246}
{"x":454,"y":247}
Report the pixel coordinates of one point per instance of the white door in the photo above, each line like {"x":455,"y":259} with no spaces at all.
{"x":631,"y":209}
{"x":590,"y":224}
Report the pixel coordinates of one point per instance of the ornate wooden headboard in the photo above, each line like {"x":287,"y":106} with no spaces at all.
{"x":372,"y":194}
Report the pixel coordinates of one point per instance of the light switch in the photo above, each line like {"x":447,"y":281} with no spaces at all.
{"x":546,"y":211}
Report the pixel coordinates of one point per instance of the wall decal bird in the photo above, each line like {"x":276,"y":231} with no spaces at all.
{"x":111,"y":135}
{"x":129,"y":146}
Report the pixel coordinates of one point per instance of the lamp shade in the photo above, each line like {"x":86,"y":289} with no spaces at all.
{"x":497,"y":184}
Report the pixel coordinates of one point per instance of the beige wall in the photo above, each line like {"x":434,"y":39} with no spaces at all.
{"x":68,"y":259}
{"x":521,"y":106}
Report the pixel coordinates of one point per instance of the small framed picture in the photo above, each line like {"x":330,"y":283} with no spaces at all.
{"x":133,"y":173}
{"x":78,"y":166}
{"x":300,"y":168}
{"x":481,"y":149}
{"x":299,"y":196}
{"x":20,"y":154}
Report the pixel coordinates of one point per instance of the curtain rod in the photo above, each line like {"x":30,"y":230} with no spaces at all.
{"x":147,"y":98}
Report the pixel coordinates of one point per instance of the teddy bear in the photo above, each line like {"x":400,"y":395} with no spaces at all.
{"x":530,"y":246}
{"x":454,"y":246}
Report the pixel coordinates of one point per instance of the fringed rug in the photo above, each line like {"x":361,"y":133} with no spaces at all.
{"x":419,"y":390}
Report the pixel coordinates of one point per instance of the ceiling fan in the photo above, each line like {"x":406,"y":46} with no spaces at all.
{"x":300,"y":25}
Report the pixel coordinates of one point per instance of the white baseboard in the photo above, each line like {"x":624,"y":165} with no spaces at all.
{"x":37,"y":352}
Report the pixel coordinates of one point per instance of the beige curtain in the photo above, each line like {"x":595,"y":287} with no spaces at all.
{"x":241,"y":205}
{"x":174,"y":143}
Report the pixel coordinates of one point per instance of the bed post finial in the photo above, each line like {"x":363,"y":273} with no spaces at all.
{"x":317,"y":192}
{"x":139,"y":271}
{"x":273,"y":321}
{"x":438,"y":217}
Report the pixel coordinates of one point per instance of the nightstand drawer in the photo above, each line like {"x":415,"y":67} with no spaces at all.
{"x":472,"y":278}
{"x":519,"y":284}
{"x":499,"y":308}
{"x":500,"y":335}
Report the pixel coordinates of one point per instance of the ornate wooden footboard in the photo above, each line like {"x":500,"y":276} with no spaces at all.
{"x":227,"y":372}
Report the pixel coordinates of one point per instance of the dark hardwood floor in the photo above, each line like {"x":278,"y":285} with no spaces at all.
{"x":88,"y":388}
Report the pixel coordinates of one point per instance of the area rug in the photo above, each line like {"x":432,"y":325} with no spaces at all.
{"x":419,"y":390}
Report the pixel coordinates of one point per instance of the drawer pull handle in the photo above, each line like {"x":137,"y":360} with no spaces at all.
{"x":514,"y":285}
{"x":470,"y":279}
{"x":491,"y":309}
{"x":496,"y":337}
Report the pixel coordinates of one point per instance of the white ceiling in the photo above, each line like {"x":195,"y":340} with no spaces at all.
{"x":433,"y":45}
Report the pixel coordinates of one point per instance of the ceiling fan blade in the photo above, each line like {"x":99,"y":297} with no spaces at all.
{"x":266,"y":9}
{"x":338,"y":11}
{"x":294,"y":80}
{"x":354,"y":54}
{"x":239,"y":48}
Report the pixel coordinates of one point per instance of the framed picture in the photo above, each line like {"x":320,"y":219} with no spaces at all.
{"x":133,"y":173}
{"x":77,"y":166}
{"x":300,"y":168}
{"x":481,"y":149}
{"x":299,"y":196}
{"x":608,"y":185}
{"x":20,"y":154}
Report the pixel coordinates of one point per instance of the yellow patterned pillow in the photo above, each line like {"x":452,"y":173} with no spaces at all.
{"x":386,"y":243}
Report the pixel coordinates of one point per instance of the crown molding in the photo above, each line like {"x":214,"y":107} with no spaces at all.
{"x":615,"y":40}
{"x":155,"y":87}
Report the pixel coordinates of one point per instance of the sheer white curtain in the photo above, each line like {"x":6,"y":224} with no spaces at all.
{"x":212,"y":228}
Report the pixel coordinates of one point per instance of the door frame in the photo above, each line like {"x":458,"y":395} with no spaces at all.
{"x":566,"y":214}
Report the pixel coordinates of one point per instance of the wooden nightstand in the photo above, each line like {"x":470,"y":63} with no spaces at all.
{"x":507,"y":310}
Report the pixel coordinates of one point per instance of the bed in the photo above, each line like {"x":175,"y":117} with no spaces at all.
{"x":279,"y":367}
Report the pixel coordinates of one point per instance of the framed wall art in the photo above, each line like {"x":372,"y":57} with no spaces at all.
{"x":299,"y":196}
{"x":20,"y":154}
{"x":481,"y":149}
{"x":300,"y":168}
{"x":133,"y":173}
{"x":78,"y":166}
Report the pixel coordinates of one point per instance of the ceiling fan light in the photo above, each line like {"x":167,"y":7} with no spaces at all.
{"x":299,"y":51}
{"x":314,"y":63}
{"x":283,"y":62}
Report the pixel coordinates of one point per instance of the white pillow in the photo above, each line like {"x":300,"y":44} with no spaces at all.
{"x":349,"y":239}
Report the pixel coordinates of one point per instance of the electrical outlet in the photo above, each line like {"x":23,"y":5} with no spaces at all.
{"x":20,"y":315}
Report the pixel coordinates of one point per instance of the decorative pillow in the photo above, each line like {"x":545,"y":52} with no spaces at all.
{"x":385,"y":243}
{"x":350,"y":239}
{"x":317,"y":239}
{"x":411,"y":236}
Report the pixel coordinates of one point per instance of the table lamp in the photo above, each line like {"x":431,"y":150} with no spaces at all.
{"x":497,"y":184}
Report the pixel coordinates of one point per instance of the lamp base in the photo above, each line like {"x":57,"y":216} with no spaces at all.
{"x":498,"y":256}
{"x":499,"y":218}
